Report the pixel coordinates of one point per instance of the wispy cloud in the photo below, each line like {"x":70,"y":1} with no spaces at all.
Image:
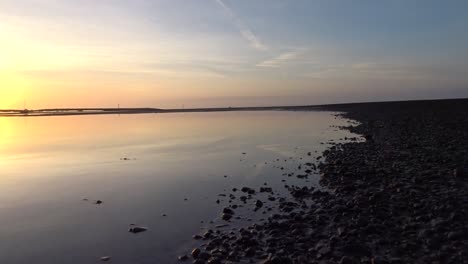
{"x":280,"y":59}
{"x":373,"y":70}
{"x":245,"y":31}
{"x":322,"y":71}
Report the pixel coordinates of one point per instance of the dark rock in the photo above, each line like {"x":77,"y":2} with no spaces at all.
{"x":226,"y":217}
{"x":250,"y":252}
{"x":456,"y":235}
{"x":248,"y":190}
{"x":258,"y":203}
{"x":106,"y":258}
{"x":346,"y":260}
{"x":281,"y":260}
{"x":460,"y":172}
{"x":266,"y":189}
{"x":204,"y":255}
{"x":214,"y":261}
{"x":195,"y":252}
{"x":137,"y":229}
{"x":227,"y":210}
{"x":354,"y":249}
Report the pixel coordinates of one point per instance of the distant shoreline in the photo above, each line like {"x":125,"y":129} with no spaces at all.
{"x":126,"y":111}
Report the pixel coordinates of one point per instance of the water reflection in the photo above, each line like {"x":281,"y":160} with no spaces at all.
{"x":141,"y":166}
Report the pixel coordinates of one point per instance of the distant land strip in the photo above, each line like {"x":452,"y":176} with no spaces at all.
{"x":107,"y":111}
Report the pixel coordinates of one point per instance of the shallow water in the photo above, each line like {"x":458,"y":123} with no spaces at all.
{"x":50,"y":164}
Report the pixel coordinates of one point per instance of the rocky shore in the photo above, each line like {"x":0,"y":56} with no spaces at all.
{"x":400,"y":196}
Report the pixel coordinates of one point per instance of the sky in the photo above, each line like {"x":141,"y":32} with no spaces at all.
{"x":208,"y":53}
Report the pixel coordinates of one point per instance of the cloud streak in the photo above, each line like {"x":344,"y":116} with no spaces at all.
{"x":244,"y":31}
{"x":280,"y":59}
{"x":376,"y":71}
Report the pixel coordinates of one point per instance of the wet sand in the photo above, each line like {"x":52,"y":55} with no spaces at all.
{"x":400,"y":196}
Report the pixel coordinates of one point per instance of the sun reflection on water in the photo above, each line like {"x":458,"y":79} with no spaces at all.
{"x":5,"y":131}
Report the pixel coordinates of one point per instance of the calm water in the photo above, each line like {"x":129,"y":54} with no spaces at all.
{"x":48,"y":165}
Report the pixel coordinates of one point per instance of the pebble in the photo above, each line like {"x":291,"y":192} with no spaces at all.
{"x":195,"y":252}
{"x":106,"y":258}
{"x":137,"y":229}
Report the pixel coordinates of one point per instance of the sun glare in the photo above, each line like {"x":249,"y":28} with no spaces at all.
{"x":11,"y":91}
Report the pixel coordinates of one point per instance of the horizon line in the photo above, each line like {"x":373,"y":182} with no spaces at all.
{"x":223,"y":107}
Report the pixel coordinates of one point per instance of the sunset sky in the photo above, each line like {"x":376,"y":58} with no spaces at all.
{"x":83,"y":53}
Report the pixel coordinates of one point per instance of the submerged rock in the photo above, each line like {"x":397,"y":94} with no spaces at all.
{"x":106,"y":258}
{"x":137,"y":229}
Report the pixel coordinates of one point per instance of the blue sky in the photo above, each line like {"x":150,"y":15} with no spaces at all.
{"x":242,"y":52}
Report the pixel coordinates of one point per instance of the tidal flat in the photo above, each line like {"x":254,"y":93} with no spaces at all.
{"x":400,"y":196}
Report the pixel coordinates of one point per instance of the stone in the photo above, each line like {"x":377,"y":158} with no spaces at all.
{"x":258,"y":204}
{"x":226,"y":217}
{"x":106,"y":258}
{"x":195,"y":252}
{"x":137,"y":229}
{"x":227,"y":210}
